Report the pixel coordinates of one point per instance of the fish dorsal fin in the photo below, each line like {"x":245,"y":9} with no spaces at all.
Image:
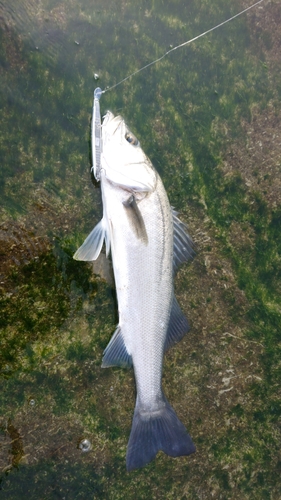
{"x":183,"y":244}
{"x":92,"y":245}
{"x":135,"y":219}
{"x":115,"y":353}
{"x":178,"y":325}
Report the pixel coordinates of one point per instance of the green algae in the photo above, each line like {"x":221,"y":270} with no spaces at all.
{"x":57,"y":316}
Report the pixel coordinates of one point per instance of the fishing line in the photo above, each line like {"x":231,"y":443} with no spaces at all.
{"x":96,"y":134}
{"x":181,"y":45}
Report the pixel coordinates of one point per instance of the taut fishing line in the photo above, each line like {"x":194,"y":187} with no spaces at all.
{"x":96,"y":121}
{"x":182,"y":45}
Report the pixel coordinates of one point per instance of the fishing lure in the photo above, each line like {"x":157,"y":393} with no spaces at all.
{"x":96,"y":134}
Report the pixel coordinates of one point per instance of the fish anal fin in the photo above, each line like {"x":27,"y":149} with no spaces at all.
{"x":178,"y":325}
{"x":136,"y":219}
{"x":115,"y":353}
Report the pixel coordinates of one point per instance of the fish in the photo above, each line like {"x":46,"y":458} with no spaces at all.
{"x":147,"y":242}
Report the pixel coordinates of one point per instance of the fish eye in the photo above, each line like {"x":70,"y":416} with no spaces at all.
{"x":131,"y":138}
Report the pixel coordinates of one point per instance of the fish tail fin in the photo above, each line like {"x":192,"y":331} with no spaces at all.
{"x":154,"y":431}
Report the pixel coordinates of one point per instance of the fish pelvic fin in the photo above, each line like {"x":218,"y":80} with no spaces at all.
{"x":155,"y":431}
{"x":115,"y":353}
{"x":92,"y":245}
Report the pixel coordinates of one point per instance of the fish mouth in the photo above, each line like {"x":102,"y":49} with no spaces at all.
{"x":109,"y":120}
{"x":112,"y":126}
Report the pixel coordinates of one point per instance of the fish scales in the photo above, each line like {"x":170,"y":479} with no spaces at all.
{"x":143,"y":272}
{"x":147,"y":243}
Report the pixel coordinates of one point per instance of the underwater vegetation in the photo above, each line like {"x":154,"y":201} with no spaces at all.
{"x":209,"y":119}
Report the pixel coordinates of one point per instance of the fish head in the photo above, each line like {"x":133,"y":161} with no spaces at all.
{"x":123,"y":161}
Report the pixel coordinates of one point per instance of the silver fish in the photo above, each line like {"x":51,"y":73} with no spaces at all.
{"x":147,"y":242}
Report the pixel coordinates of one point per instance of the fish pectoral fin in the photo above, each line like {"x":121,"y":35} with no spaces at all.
{"x":136,"y":219}
{"x":115,"y":353}
{"x":183,"y":244}
{"x":92,"y":245}
{"x":178,"y":325}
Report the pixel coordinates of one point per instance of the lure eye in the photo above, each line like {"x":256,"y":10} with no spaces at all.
{"x":131,"y":139}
